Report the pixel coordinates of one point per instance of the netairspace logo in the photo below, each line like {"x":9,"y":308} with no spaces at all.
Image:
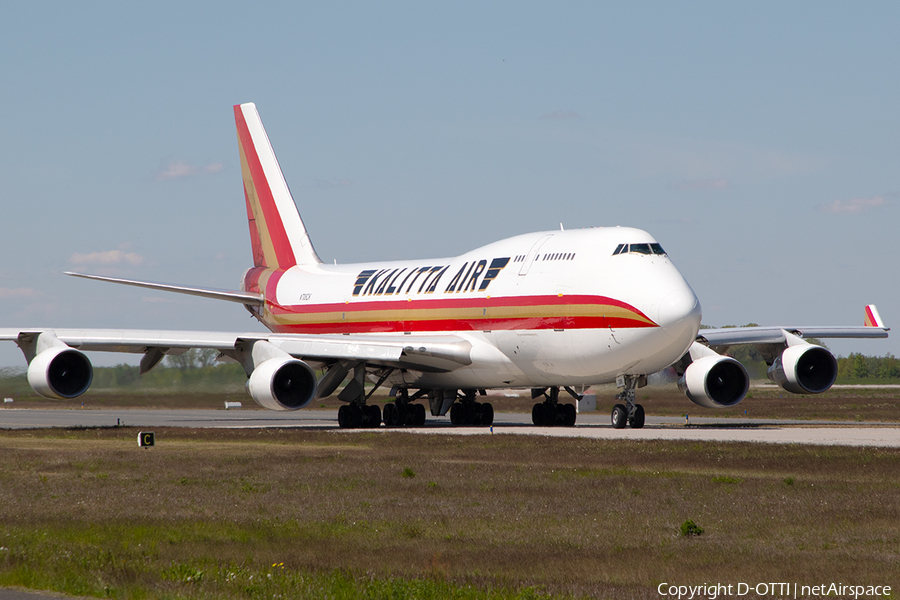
{"x":775,"y":590}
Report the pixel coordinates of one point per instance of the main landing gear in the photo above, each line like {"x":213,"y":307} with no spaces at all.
{"x":354,"y":416}
{"x":356,"y":413}
{"x":550,"y":412}
{"x":630,"y":413}
{"x":403,"y":414}
{"x":469,"y":412}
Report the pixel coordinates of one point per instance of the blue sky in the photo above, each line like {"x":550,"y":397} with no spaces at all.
{"x":758,"y":143}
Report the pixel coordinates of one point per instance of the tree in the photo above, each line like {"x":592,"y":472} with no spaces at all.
{"x":195,"y":358}
{"x":860,"y":366}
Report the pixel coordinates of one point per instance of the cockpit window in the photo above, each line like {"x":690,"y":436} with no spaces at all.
{"x":653,"y":248}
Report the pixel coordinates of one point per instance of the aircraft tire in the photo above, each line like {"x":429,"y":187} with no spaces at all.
{"x":388,"y":414}
{"x":354,"y":416}
{"x":569,"y":415}
{"x":476,"y":414}
{"x":619,"y":416}
{"x":419,"y":413}
{"x":456,"y":414}
{"x":552,"y":415}
{"x":637,"y":421}
{"x":374,"y":414}
{"x":537,"y":414}
{"x":401,"y":415}
{"x":487,"y":414}
{"x":342,"y":417}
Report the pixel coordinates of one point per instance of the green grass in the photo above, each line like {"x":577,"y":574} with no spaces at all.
{"x":293,"y":514}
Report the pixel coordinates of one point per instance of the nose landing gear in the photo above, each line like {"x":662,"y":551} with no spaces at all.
{"x":630,"y":413}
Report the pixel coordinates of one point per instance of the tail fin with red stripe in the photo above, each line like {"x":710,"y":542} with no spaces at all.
{"x":277,"y":233}
{"x":873,"y":319}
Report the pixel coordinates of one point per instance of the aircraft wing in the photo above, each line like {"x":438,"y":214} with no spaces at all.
{"x":430,"y":353}
{"x":732,"y":336}
{"x":769,"y":339}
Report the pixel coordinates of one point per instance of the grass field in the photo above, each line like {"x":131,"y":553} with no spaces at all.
{"x":289,"y":514}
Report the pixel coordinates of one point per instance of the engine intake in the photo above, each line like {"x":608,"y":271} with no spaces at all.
{"x":804,"y":369}
{"x":60,"y":373}
{"x":282,"y":383}
{"x":715,"y":381}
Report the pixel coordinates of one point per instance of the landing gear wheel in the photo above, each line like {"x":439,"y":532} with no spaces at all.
{"x":350,"y":416}
{"x":619,"y":416}
{"x":457,"y":414}
{"x":401,"y":415}
{"x":487,"y":414}
{"x":418,"y":411}
{"x":537,"y":415}
{"x":389,"y":414}
{"x":569,"y":415}
{"x":637,"y":419}
{"x":374,"y":415}
{"x":551,"y":415}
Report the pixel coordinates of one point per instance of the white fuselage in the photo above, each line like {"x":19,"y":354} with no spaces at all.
{"x":541,"y":309}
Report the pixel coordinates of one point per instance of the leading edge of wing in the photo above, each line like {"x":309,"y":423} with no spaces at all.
{"x":431,"y":353}
{"x":774,"y":335}
{"x":250,"y":298}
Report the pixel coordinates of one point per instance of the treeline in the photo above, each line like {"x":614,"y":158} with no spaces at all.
{"x":211,"y":377}
{"x":859,"y":366}
{"x":218,"y":378}
{"x":195,"y":370}
{"x":851,"y":368}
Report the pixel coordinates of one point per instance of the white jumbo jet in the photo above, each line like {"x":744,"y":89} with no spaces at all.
{"x":546,"y":310}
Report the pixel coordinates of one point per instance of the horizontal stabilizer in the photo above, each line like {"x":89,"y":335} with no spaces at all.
{"x":249,"y":298}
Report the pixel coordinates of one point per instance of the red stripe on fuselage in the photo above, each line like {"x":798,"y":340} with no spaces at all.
{"x":439,"y":303}
{"x":445,"y":325}
{"x":425,"y":315}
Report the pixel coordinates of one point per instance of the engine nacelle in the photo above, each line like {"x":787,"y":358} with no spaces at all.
{"x":60,"y":373}
{"x":715,"y":381}
{"x":804,"y":369}
{"x":282,"y":383}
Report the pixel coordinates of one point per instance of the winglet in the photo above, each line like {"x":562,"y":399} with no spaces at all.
{"x":277,"y":233}
{"x":873,"y":319}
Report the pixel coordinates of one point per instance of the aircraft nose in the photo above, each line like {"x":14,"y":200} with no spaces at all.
{"x":679,"y":313}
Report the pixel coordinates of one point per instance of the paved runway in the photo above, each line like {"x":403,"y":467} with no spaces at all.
{"x":590,"y":425}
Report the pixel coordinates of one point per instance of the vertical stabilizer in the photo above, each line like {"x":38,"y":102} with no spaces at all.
{"x":277,"y":233}
{"x":873,"y":319}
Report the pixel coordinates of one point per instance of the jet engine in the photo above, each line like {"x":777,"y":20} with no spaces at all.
{"x":60,"y":372}
{"x":715,"y":381}
{"x":282,"y":383}
{"x":804,"y":369}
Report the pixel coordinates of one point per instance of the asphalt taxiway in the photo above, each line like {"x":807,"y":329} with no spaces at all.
{"x":590,"y":425}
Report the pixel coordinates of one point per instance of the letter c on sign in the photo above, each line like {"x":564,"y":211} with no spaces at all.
{"x":146,"y":439}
